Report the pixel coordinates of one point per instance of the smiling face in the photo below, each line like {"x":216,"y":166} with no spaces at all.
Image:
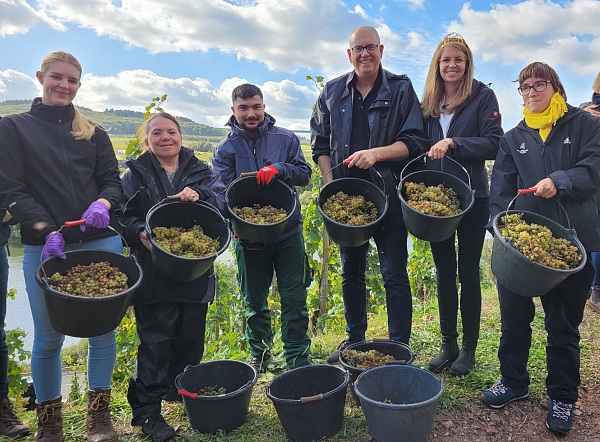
{"x":537,"y":102}
{"x":452,"y":65}
{"x":60,"y":83}
{"x":163,"y":139}
{"x":366,"y":63}
{"x":249,"y":113}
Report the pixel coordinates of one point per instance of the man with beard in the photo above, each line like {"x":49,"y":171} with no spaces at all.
{"x":256,"y":144}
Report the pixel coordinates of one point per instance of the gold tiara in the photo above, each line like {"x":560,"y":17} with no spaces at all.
{"x":453,"y":37}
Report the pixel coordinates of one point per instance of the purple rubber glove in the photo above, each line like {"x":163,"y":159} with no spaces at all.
{"x":96,"y":216}
{"x":54,"y":246}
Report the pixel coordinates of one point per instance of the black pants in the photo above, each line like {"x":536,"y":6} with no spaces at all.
{"x":171,"y":337}
{"x":471,"y":235}
{"x":563,"y":312}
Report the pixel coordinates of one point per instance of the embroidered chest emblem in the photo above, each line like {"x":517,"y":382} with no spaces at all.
{"x":522,"y":149}
{"x":567,"y":141}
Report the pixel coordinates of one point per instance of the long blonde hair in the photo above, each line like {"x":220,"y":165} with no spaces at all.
{"x":433,"y":92}
{"x":596,"y":84}
{"x":82,"y":128}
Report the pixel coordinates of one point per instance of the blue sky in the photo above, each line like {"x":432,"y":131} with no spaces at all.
{"x":196,"y":51}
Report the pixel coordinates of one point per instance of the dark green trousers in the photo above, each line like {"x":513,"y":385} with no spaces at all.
{"x":255,"y":274}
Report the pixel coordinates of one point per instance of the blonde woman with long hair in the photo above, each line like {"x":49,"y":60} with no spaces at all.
{"x":462,"y":120}
{"x":59,"y":166}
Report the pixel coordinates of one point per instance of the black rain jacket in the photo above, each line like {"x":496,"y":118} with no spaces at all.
{"x":142,"y":189}
{"x":570,"y":156}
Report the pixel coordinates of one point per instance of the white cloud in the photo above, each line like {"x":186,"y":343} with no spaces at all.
{"x":194,"y":98}
{"x":17,"y":17}
{"x":16,"y":85}
{"x":565,"y":33}
{"x":285,"y":35}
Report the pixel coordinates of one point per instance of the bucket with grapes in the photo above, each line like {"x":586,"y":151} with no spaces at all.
{"x":433,"y":201}
{"x":186,"y":238}
{"x":352,"y":209}
{"x":87,"y":294}
{"x":531,"y":253}
{"x":259,"y":214}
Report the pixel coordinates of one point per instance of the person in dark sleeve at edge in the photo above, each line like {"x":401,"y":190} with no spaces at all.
{"x":372,"y":118}
{"x":256,"y":144}
{"x":170,"y":315}
{"x":10,"y":425}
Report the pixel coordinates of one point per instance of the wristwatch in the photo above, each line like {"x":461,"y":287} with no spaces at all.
{"x":450,"y":143}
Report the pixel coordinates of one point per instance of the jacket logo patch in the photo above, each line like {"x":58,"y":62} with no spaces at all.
{"x":522,"y":149}
{"x":567,"y":141}
{"x":496,"y":114}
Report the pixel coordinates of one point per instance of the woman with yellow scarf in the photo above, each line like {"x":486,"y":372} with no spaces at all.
{"x":556,"y":149}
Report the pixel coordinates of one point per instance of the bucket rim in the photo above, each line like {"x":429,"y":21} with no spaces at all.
{"x":288,"y":373}
{"x":166,"y":203}
{"x":241,"y":390}
{"x":437,"y":172}
{"x":43,"y":283}
{"x":372,"y":371}
{"x":570,"y":232}
{"x":372,"y":223}
{"x":357,"y":344}
{"x":277,"y":181}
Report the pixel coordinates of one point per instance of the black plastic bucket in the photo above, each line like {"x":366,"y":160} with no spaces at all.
{"x":310,"y":401}
{"x":80,"y":316}
{"x":428,"y":227}
{"x":176,"y":213}
{"x":209,"y":414}
{"x":245,"y":192}
{"x":402,"y":354}
{"x":522,"y":276}
{"x":399,"y":401}
{"x":343,"y":234}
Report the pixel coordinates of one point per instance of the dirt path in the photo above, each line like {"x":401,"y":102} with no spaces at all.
{"x":525,"y":421}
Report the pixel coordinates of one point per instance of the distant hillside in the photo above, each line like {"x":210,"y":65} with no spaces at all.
{"x":119,"y":122}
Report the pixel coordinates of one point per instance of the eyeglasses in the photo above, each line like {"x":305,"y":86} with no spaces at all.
{"x":538,"y":86}
{"x":458,"y":61}
{"x":357,"y":50}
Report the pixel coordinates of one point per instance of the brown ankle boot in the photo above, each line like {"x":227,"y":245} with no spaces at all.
{"x":50,"y":422}
{"x":10,"y":425}
{"x":97,"y":421}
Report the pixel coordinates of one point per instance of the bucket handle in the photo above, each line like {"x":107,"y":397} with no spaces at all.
{"x":532,"y":190}
{"x":396,"y":362}
{"x":346,"y":162}
{"x":424,"y":155}
{"x":79,"y":222}
{"x":184,"y":392}
{"x":316,"y":397}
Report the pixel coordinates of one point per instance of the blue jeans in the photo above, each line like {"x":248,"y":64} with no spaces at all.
{"x":46,"y":365}
{"x":3,"y":346}
{"x":596,"y":261}
{"x":393,"y":256}
{"x":563,"y":312}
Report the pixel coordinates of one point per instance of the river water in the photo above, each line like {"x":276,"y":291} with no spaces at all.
{"x":18,"y":314}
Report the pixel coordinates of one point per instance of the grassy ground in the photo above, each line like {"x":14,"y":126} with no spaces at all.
{"x":263,"y":424}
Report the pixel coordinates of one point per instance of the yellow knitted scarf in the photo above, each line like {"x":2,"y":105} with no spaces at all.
{"x":546,"y":119}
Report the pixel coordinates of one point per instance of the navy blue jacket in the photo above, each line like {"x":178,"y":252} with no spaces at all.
{"x":570,"y":156}
{"x":239,"y":152}
{"x":394,"y":115}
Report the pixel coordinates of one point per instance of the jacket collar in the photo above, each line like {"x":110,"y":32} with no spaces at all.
{"x":52,"y":113}
{"x":385,"y":92}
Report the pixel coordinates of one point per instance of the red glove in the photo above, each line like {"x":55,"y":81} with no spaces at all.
{"x":266,"y":175}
